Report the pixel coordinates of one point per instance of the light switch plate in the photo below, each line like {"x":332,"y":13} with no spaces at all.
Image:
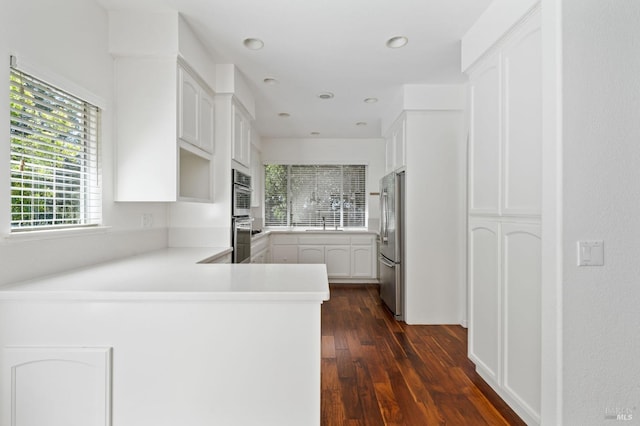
{"x":591,"y":253}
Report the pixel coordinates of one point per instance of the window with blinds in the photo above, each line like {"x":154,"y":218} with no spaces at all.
{"x":308,"y":195}
{"x":54,"y":157}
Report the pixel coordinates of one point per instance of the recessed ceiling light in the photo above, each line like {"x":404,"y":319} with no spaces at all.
{"x":325,"y":95}
{"x":315,"y":133}
{"x":397,"y":41}
{"x":253,"y":43}
{"x":371,"y":100}
{"x":361,"y":123}
{"x":284,"y":114}
{"x":270,"y":81}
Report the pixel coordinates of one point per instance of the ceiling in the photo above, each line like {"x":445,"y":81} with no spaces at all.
{"x":335,"y":46}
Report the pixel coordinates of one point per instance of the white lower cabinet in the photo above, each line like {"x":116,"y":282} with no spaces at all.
{"x":284,"y":254}
{"x":521,"y":310}
{"x":310,"y":254}
{"x":260,"y":249}
{"x":350,"y":257}
{"x":68,"y":385}
{"x":504,"y":310}
{"x":261,"y":257}
{"x":338,"y":261}
{"x":362,"y":261}
{"x":336,"y":258}
{"x":484,"y":296}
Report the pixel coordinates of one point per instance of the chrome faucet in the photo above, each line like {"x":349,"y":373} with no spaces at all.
{"x":324,"y":224}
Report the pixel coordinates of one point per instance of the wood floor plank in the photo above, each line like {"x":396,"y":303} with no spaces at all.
{"x":377,"y":371}
{"x":330,"y":379}
{"x":371,"y":415}
{"x":328,"y":347}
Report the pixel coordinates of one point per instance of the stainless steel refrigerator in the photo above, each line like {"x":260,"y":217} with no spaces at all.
{"x":392,"y":242}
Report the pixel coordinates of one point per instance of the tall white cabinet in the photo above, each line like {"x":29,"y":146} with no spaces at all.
{"x":504,"y":206}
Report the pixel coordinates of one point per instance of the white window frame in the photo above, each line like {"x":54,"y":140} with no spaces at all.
{"x":332,"y":209}
{"x":89,"y":186}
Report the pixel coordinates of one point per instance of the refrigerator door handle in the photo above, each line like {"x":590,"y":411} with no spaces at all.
{"x":386,"y":262}
{"x":385,"y":217}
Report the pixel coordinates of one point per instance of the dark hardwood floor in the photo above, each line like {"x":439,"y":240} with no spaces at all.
{"x":378,"y":371}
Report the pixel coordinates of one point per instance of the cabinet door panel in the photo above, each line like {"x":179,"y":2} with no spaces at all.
{"x":66,"y":386}
{"x":522,"y":282}
{"x":399,"y":137}
{"x":523,"y":123}
{"x":246,"y":143}
{"x":311,"y":254}
{"x":188,"y":108}
{"x":362,"y":263}
{"x":338,"y":261}
{"x":207,"y":120}
{"x":257,"y":178}
{"x":389,"y":154}
{"x":236,"y":148}
{"x":484,"y":293}
{"x":240,"y":149}
{"x":284,"y":254}
{"x":484,"y":149}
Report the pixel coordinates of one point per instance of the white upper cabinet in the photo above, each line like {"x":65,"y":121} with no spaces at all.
{"x":522,"y":59}
{"x":395,"y":144}
{"x":165,"y":132}
{"x":484,"y":149}
{"x":505,"y":151}
{"x":196,"y":113}
{"x":188,"y":94}
{"x":399,"y":141}
{"x":257,"y":177}
{"x":241,"y":138}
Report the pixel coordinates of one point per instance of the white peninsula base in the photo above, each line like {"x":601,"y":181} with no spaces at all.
{"x":226,"y":345}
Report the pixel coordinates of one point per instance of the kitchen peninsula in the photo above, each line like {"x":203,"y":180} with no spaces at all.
{"x":159,"y":339}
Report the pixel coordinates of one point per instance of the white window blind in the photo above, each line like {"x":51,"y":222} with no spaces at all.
{"x":55,"y":180}
{"x":308,"y":195}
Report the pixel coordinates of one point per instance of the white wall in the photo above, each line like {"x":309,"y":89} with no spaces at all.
{"x":551,"y":278}
{"x":435,"y":216}
{"x":72,"y":54}
{"x":600,"y":200}
{"x":333,"y":151}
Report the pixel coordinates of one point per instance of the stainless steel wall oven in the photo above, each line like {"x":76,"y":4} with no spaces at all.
{"x":241,"y":240}
{"x":241,"y":217}
{"x":241,"y":193}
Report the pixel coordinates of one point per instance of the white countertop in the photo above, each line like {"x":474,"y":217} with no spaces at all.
{"x":328,"y":230}
{"x":174,"y":274}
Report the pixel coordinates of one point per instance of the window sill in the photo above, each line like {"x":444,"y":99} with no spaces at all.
{"x":50,"y":234}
